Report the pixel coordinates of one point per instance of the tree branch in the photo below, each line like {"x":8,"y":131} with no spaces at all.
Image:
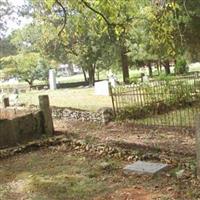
{"x":68,"y":50}
{"x":97,"y":12}
{"x":129,"y":19}
{"x":65,"y":16}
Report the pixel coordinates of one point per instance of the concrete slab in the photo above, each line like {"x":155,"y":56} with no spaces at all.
{"x":141,"y":167}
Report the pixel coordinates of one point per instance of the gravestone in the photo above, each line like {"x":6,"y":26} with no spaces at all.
{"x":102,"y":88}
{"x":113,"y":80}
{"x":14,"y":97}
{"x":47,"y":115}
{"x":6,"y":102}
{"x":141,"y":167}
{"x":52,"y":79}
{"x":145,"y":79}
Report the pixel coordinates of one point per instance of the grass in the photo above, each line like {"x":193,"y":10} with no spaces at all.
{"x":56,"y":176}
{"x":71,"y":79}
{"x":82,"y":98}
{"x":182,"y":117}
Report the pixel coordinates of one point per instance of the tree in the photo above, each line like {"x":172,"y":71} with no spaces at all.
{"x":86,"y":32}
{"x":5,"y":11}
{"x":6,"y":47}
{"x":115,"y":17}
{"x":185,"y":16}
{"x":81,"y":41}
{"x":157,"y":38}
{"x":141,"y":51}
{"x":165,"y":34}
{"x":26,"y":66}
{"x":189,"y":23}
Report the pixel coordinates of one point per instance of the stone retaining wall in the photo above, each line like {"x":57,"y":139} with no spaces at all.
{"x":20,"y":125}
{"x":21,"y":129}
{"x":13,"y":112}
{"x":103,"y":115}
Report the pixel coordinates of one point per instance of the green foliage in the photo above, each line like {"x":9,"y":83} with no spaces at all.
{"x":98,"y":35}
{"x":171,"y":95}
{"x":134,"y":79}
{"x":49,"y":3}
{"x":5,"y":12}
{"x":181,"y":66}
{"x":102,"y":28}
{"x":6,"y":47}
{"x":42,"y":69}
{"x":164,"y":77}
{"x":27,"y":67}
{"x":182,"y":94}
{"x":190,"y":28}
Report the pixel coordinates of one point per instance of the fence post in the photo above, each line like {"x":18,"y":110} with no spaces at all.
{"x":112,"y":98}
{"x":198,"y":144}
{"x":6,"y":102}
{"x":45,"y":108}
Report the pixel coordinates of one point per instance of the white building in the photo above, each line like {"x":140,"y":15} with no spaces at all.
{"x":67,"y":70}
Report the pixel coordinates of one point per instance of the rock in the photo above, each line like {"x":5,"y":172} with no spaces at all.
{"x":103,"y":115}
{"x":105,"y":165}
{"x":130,"y":158}
{"x":87,"y":148}
{"x":180,"y":173}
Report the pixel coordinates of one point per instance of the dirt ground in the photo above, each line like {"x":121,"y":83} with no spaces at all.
{"x":62,"y":173}
{"x":160,"y":138}
{"x":56,"y":174}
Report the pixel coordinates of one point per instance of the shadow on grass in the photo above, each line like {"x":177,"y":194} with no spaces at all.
{"x":42,"y":175}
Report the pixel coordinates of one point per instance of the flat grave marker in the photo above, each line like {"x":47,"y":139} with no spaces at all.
{"x":141,"y":167}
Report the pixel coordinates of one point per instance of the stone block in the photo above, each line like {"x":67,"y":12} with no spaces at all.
{"x":102,"y":88}
{"x":141,"y":167}
{"x":52,"y":79}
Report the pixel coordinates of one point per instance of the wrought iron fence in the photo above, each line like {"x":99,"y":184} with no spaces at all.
{"x":167,"y":103}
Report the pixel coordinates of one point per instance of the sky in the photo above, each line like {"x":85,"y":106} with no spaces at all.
{"x":13,"y":24}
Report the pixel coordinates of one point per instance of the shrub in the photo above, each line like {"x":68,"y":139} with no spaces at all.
{"x":165,"y":98}
{"x":164,"y":77}
{"x":181,"y":66}
{"x":134,"y":79}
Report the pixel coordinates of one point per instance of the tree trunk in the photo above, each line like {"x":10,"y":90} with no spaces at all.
{"x":167,"y":67}
{"x":124,"y":62}
{"x":98,"y":75}
{"x":158,"y":68}
{"x":30,"y":83}
{"x":84,"y":74}
{"x":150,"y":69}
{"x":91,"y":73}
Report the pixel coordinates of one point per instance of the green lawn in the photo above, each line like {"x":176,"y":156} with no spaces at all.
{"x":82,"y":98}
{"x":71,"y":79}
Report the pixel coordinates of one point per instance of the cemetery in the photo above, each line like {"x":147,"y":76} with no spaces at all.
{"x":99,"y":100}
{"x":119,"y":156}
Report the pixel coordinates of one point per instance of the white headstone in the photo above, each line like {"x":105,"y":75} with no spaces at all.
{"x":145,"y":79}
{"x":52,"y":79}
{"x":13,"y":99}
{"x":113,"y":81}
{"x":102,"y":88}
